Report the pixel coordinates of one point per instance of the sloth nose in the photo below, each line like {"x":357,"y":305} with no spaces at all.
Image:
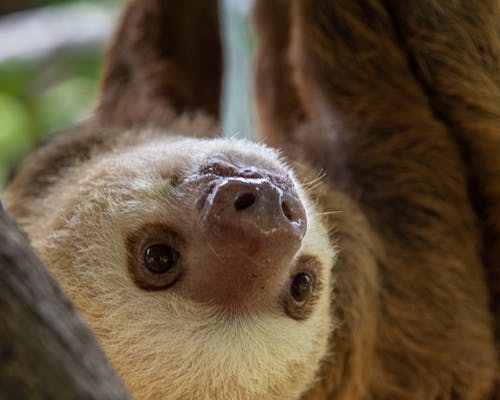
{"x":249,"y":208}
{"x":251,"y":229}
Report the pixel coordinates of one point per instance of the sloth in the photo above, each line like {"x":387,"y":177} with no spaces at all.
{"x":195,"y":262}
{"x":346,"y":264}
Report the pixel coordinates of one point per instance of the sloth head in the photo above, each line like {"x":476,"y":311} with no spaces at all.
{"x":200,"y":264}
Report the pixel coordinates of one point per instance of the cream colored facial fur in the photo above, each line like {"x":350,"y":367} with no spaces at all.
{"x":166,"y":346}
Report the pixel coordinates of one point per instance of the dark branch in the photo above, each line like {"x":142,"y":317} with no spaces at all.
{"x":46,"y":349}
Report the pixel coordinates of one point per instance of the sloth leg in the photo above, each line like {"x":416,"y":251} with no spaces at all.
{"x":165,"y":59}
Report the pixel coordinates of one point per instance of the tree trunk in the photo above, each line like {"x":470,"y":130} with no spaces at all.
{"x":46,"y":350}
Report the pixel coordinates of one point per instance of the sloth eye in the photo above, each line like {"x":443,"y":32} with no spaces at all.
{"x":301,"y":287}
{"x":160,"y":258}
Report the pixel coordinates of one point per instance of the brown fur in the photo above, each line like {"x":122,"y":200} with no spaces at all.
{"x":164,"y":64}
{"x":369,"y":127}
{"x":339,"y":87}
{"x":459,"y":70}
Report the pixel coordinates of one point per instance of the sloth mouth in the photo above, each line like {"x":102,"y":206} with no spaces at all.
{"x":220,"y":167}
{"x":217,"y":166}
{"x":217,"y":170}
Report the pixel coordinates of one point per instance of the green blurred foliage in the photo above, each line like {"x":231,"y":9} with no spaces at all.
{"x":39,"y":97}
{"x":42,"y":96}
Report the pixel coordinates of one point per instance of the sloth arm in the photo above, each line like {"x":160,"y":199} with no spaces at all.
{"x":363,"y":119}
{"x":165,"y":60}
{"x":460,"y":72}
{"x":163,"y":69}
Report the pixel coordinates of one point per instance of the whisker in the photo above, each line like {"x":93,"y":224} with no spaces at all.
{"x":314,"y":182}
{"x":215,"y":253}
{"x":333,"y":212}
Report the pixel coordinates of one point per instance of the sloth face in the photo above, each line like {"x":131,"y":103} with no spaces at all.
{"x":200,"y":264}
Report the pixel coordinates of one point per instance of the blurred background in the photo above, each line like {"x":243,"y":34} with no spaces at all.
{"x":50,"y":58}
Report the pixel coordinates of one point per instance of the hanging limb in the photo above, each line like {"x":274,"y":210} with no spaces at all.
{"x":460,"y":71}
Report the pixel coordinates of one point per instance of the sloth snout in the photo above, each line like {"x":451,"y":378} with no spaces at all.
{"x":251,"y":226}
{"x":243,"y":208}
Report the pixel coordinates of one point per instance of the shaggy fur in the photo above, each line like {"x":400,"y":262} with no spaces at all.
{"x":459,"y":70}
{"x":82,"y":195}
{"x":168,"y":61}
{"x":403,"y":312}
{"x":165,"y":345}
{"x":368,"y":124}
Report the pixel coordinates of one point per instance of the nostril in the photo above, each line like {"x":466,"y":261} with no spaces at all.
{"x":287,"y":211}
{"x":244,"y":201}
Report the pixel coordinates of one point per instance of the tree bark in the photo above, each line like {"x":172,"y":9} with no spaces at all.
{"x":46,"y":350}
